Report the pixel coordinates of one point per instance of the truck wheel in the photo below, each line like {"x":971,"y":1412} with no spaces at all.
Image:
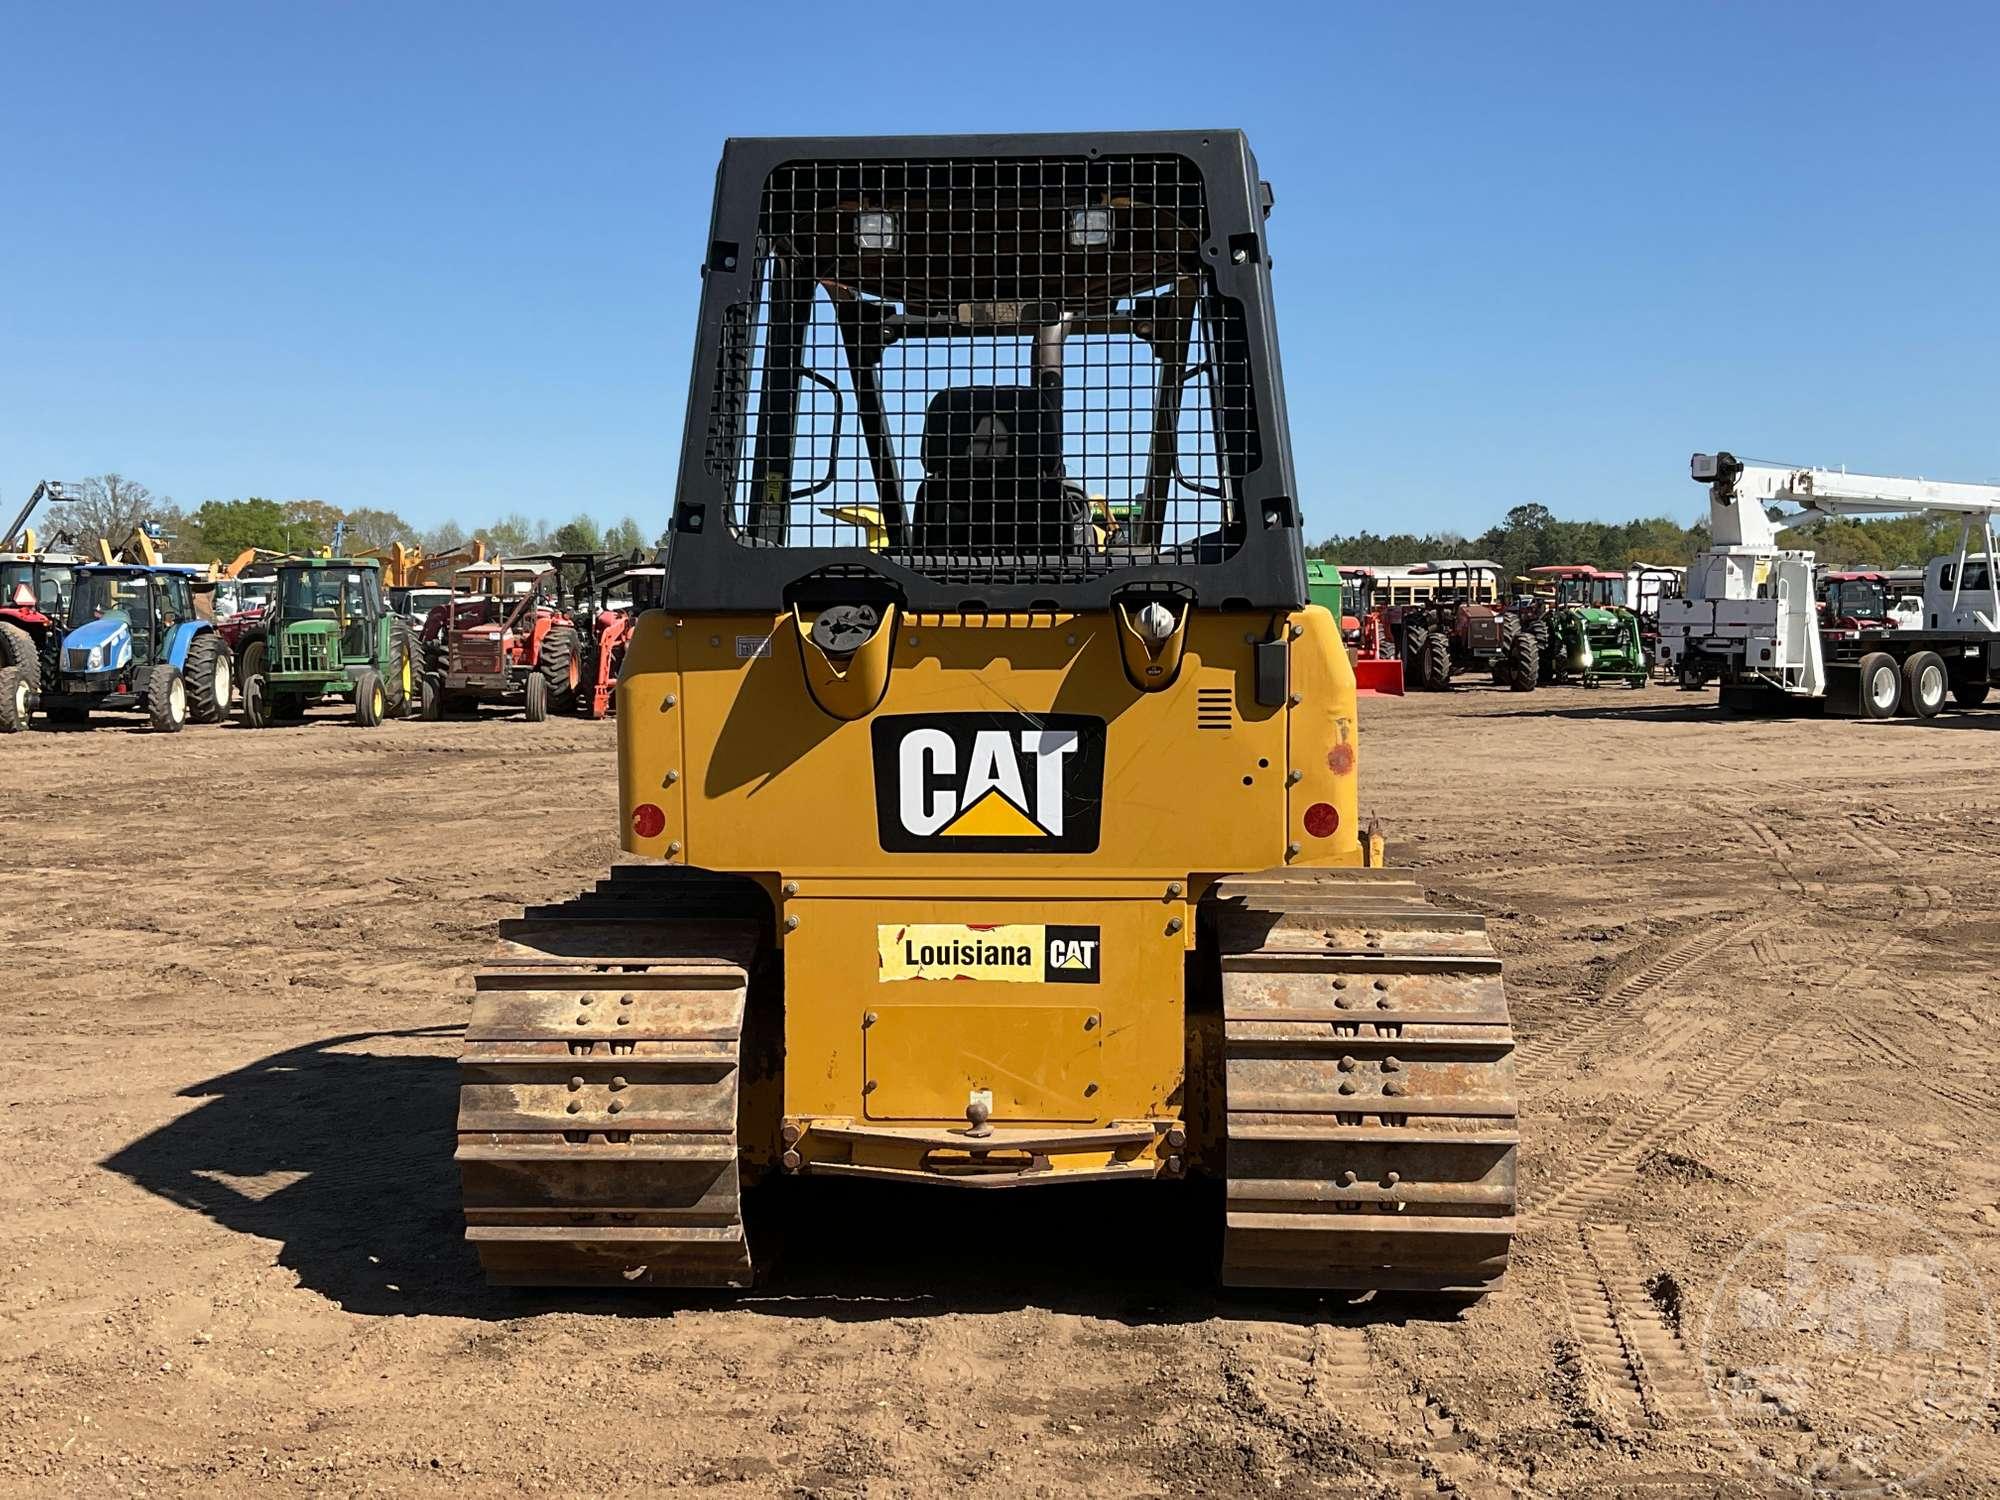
{"x":18,"y":650}
{"x":13,"y":701}
{"x":166,"y":699}
{"x":1437,"y":661}
{"x":1970,"y":694}
{"x":1414,"y":637}
{"x":1924,"y":684}
{"x":430,"y":697}
{"x":371,"y":699}
{"x":1524,"y":664}
{"x":538,"y":697}
{"x":209,"y":680}
{"x":1881,"y":685}
{"x":561,"y":669}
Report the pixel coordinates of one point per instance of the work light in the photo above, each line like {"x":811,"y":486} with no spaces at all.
{"x":875,"y":231}
{"x":1090,"y":226}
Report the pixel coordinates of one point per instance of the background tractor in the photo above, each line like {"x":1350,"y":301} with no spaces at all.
{"x":1592,"y":636}
{"x":34,"y":594}
{"x":1646,"y":586}
{"x":509,"y":636}
{"x":1370,"y":635}
{"x":980,"y":845}
{"x":1890,"y":599}
{"x":607,"y":605}
{"x":35,"y":588}
{"x":135,"y":637}
{"x":1464,"y":626}
{"x":327,"y":633}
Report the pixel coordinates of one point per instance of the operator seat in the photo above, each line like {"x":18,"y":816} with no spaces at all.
{"x":993,"y":476}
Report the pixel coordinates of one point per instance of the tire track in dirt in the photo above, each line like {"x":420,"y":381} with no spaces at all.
{"x":1713,"y":1086}
{"x":1589,"y":1030}
{"x":1494,"y":874}
{"x":1963,"y":1106}
{"x":1640,"y":1361}
{"x":1858,"y":829}
{"x":1309,"y":1378}
{"x":1704,"y":1094}
{"x":1781,"y":852}
{"x":1646,"y":1369}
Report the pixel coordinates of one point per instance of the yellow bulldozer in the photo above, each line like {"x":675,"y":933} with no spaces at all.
{"x":980,"y":845}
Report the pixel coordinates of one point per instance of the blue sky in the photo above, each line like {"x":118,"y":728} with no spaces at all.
{"x":442,"y":257}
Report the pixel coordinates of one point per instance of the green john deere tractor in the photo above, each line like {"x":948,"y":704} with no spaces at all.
{"x":327,"y":633}
{"x":1593,"y":637}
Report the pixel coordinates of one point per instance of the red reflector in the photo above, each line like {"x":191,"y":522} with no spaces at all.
{"x":648,"y":821}
{"x":1322,"y":820}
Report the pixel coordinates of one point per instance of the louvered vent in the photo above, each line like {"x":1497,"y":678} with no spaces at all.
{"x":1215,"y":708}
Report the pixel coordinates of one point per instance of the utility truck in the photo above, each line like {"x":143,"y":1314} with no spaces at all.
{"x":1750,"y":619}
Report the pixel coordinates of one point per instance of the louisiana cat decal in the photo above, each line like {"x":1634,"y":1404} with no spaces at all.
{"x":1007,"y":953}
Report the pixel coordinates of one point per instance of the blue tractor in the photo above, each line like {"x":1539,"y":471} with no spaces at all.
{"x":137,"y":641}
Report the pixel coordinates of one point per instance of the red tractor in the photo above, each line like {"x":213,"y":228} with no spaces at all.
{"x":1371,"y":638}
{"x":34,"y":596}
{"x":1854,"y":601}
{"x":34,"y":602}
{"x":1465,"y":626}
{"x":508,"y":636}
{"x":611,"y":603}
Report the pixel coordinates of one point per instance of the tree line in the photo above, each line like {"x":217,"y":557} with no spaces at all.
{"x":1531,"y":536}
{"x":112,"y":506}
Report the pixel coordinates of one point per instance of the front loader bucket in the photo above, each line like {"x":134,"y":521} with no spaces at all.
{"x":1380,"y":677}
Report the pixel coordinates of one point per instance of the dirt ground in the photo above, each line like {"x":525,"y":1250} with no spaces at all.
{"x":1752,"y":966}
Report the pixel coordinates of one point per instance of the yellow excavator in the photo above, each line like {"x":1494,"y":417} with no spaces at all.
{"x":141,"y":546}
{"x":406,"y":567}
{"x":976,"y":844}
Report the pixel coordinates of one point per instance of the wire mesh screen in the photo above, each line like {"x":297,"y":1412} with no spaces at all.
{"x":986,"y":369}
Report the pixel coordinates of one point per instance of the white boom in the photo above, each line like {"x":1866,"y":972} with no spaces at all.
{"x":1751,"y":610}
{"x":1835,"y":492}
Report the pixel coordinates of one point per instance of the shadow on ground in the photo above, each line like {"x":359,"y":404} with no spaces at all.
{"x":1690,"y":710}
{"x":343,"y":1157}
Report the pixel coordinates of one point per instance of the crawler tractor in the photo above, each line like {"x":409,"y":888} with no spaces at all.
{"x":327,"y":633}
{"x":1000,"y":851}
